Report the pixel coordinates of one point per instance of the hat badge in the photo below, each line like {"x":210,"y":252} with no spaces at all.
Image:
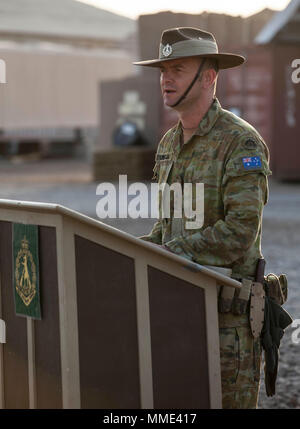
{"x":167,"y":50}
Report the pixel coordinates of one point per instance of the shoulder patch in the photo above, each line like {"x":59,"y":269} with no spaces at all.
{"x":251,"y":162}
{"x":250,"y":144}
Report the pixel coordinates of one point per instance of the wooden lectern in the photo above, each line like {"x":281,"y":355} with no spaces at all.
{"x":124,"y":323}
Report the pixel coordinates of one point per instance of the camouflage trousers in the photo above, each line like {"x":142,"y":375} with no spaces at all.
{"x":240,"y":356}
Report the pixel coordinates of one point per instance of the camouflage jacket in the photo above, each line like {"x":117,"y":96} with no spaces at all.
{"x":229,"y":156}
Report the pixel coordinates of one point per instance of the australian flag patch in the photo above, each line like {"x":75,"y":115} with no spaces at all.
{"x":251,"y":162}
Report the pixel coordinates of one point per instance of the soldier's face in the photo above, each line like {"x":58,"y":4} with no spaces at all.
{"x":176,"y":76}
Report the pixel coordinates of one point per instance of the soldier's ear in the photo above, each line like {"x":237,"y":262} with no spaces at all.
{"x":208,"y":77}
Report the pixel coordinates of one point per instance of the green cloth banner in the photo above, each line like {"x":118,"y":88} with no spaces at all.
{"x":26,"y":270}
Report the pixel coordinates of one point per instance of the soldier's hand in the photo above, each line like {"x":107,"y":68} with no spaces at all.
{"x":164,"y":247}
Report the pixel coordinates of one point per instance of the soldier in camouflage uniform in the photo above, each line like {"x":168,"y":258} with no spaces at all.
{"x":213,"y":146}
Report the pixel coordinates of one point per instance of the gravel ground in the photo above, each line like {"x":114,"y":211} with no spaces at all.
{"x":69,"y":183}
{"x":281,"y":245}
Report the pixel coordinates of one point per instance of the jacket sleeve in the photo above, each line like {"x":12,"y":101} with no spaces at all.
{"x":244,"y":194}
{"x":155,"y":236}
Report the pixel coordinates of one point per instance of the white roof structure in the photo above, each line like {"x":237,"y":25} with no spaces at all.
{"x":65,"y":18}
{"x":284,"y":26}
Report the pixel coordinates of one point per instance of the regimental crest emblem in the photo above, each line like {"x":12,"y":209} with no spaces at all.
{"x":25,"y":273}
{"x":167,"y":50}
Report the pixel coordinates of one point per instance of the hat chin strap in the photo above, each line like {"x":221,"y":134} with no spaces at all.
{"x":190,"y":85}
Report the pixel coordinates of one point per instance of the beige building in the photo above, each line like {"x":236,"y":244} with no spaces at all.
{"x":56,"y":53}
{"x":51,"y":85}
{"x":62,"y":21}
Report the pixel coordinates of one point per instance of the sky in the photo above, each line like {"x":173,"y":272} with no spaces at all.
{"x":134,"y":8}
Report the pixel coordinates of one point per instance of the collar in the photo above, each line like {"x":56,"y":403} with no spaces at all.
{"x":208,"y":120}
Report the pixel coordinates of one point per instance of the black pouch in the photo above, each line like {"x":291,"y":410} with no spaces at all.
{"x":276,"y":321}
